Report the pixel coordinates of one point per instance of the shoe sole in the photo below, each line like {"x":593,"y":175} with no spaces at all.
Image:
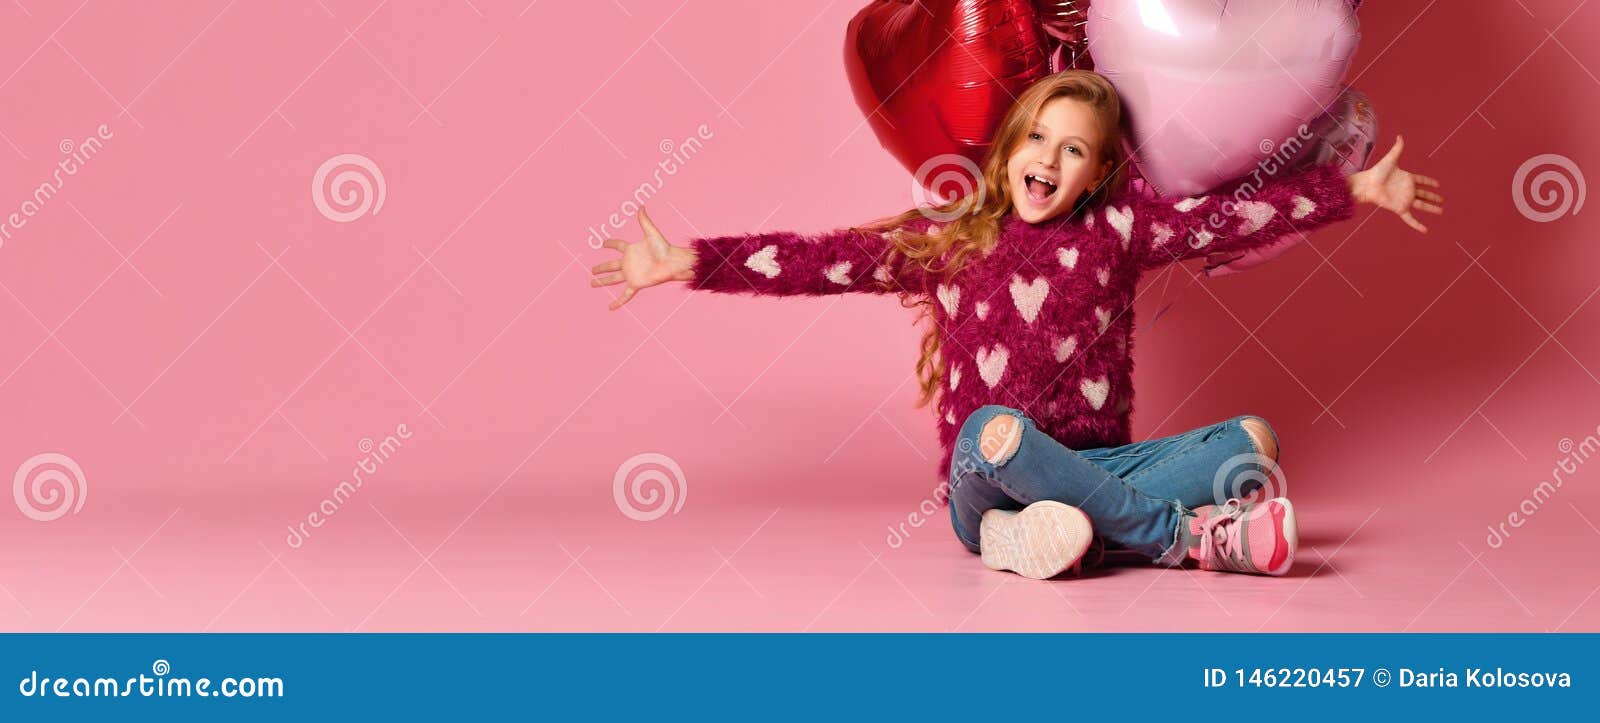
{"x":1291,"y":533}
{"x":1039,"y":542}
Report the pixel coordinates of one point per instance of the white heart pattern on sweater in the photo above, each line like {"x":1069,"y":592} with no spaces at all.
{"x":955,"y":377}
{"x":1188,"y":204}
{"x":1302,"y":208}
{"x":881,"y":273}
{"x":1122,"y":221}
{"x":765,"y":261}
{"x":981,"y":309}
{"x":1256,"y":214}
{"x":1067,"y":257}
{"x":1104,"y":317}
{"x":992,"y":364}
{"x":1103,"y":276}
{"x":949,"y":298}
{"x":839,"y":273}
{"x":1095,"y":391}
{"x":1160,"y":235}
{"x":1065,"y":347}
{"x":1029,"y":297}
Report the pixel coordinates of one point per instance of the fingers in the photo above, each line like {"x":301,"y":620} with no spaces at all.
{"x":646,"y":224}
{"x":1424,"y":205}
{"x":1393,"y":156}
{"x":1427,"y":195}
{"x":613,"y":243}
{"x":606,"y":280}
{"x":1413,"y":222}
{"x":1425,"y":180}
{"x":604,"y":266}
{"x":627,"y":295}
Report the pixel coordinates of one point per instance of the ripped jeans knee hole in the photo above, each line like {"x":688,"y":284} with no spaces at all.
{"x":1000,"y":439}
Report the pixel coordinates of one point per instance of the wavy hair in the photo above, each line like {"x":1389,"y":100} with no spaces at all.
{"x":975,"y":225}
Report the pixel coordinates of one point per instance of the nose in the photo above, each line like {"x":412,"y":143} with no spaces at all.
{"x":1046,"y":159}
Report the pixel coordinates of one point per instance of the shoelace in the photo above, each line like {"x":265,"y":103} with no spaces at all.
{"x":1225,"y":551}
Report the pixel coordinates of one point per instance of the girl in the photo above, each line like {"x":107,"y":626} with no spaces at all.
{"x":1029,"y":287}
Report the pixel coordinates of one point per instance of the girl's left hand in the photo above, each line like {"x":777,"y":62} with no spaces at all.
{"x":1386,"y":185}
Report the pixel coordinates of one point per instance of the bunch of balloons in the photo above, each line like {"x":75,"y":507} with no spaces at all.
{"x":1213,"y":91}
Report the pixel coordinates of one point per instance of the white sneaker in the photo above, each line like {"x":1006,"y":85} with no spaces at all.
{"x":1040,"y":542}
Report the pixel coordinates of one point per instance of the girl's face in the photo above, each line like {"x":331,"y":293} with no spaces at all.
{"x":1056,"y":160}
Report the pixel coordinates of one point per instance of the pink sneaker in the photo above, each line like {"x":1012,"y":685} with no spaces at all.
{"x":1251,"y":537}
{"x":1040,"y":542}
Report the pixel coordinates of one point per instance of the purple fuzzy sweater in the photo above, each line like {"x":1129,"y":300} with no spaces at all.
{"x":1043,"y":322}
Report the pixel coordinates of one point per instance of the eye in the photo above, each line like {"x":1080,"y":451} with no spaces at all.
{"x":1073,"y":150}
{"x":1034,"y":136}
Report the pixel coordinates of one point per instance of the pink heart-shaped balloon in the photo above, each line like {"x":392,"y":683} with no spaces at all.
{"x":1342,"y":136}
{"x":1213,"y":88}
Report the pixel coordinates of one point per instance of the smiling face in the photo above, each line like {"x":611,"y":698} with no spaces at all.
{"x":1056,"y":161}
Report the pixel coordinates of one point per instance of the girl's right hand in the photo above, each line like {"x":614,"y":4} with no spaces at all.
{"x":643,"y":264}
{"x":1387,"y":185}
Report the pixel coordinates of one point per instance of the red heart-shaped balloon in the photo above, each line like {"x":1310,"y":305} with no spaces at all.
{"x":935,"y":77}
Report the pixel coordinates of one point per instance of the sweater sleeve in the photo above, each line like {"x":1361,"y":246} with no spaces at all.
{"x":1240,"y":217}
{"x":789,"y":264}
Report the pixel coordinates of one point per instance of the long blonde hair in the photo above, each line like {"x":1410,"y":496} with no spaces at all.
{"x":976,"y":230}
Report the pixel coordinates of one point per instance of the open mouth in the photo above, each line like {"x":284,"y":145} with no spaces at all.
{"x":1039,"y":189}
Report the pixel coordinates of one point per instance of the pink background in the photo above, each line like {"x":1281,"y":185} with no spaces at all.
{"x":183,"y":322}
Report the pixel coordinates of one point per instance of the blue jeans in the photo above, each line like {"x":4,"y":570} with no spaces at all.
{"x":1135,"y":494}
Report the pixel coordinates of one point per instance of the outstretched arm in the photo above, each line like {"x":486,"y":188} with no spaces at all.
{"x":779,"y":263}
{"x":789,"y":264}
{"x":1233,"y":220}
{"x":1246,"y":216}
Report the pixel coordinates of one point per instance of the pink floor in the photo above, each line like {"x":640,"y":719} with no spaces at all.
{"x":769,"y":562}
{"x":216,"y":353}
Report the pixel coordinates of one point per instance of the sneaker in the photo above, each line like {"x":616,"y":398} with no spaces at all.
{"x":1041,"y":541}
{"x":1251,"y":537}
